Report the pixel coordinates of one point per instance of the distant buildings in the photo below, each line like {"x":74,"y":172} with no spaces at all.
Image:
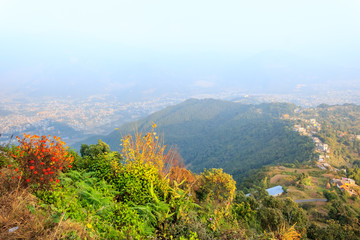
{"x":300,"y":129}
{"x":324,"y":147}
{"x":321,"y":147}
{"x":321,"y":166}
{"x":344,"y":184}
{"x":327,"y":165}
{"x":348,"y":181}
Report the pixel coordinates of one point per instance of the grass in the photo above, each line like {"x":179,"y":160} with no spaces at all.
{"x":20,"y":209}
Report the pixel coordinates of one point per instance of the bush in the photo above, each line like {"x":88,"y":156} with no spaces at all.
{"x":270,"y":218}
{"x":330,"y":195}
{"x":39,"y":160}
{"x":215,"y":185}
{"x":141,"y":169}
{"x":90,"y":201}
{"x":103,"y":166}
{"x":94,"y":149}
{"x":4,"y":159}
{"x":179,"y":175}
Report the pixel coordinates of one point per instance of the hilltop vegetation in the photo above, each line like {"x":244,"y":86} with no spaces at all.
{"x":236,"y":137}
{"x":144,"y":192}
{"x":140,"y":193}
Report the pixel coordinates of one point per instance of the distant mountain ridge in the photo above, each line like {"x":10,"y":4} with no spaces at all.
{"x":222,"y":134}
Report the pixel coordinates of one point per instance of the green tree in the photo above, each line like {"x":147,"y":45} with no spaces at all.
{"x":94,"y":150}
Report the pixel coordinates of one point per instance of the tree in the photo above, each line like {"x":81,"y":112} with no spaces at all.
{"x":94,"y":149}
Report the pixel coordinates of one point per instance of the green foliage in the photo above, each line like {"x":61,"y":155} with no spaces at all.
{"x":84,"y":198}
{"x":354,"y":174}
{"x":252,"y":178}
{"x":342,"y":213}
{"x":156,"y":214}
{"x":302,"y":176}
{"x":94,"y":149}
{"x":293,"y":214}
{"x":243,"y":211}
{"x":4,"y":159}
{"x":270,"y":218}
{"x":215,"y":185}
{"x":334,"y":231}
{"x":330,"y":195}
{"x":193,"y":236}
{"x":304,"y":179}
{"x":261,"y":211}
{"x":103,"y":166}
{"x":275,"y":212}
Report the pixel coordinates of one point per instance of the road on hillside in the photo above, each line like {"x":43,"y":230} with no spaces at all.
{"x":311,"y":200}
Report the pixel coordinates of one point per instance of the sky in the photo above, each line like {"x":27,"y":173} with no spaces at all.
{"x":134,"y":47}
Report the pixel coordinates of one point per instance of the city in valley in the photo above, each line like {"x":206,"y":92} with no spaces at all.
{"x":74,"y":119}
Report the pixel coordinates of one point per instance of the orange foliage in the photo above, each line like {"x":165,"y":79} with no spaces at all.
{"x":39,"y":160}
{"x":172,"y":159}
{"x":180,"y":174}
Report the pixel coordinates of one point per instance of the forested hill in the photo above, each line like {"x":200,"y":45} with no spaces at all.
{"x":221,"y":134}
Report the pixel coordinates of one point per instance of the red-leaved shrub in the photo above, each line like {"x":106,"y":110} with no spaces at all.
{"x":39,"y":160}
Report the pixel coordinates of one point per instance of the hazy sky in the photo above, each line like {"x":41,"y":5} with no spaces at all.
{"x":119,"y":44}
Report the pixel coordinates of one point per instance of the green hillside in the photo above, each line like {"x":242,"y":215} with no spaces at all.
{"x":340,"y":129}
{"x":212,"y":133}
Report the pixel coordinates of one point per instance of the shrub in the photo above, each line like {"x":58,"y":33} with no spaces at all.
{"x":215,"y":185}
{"x":330,"y":195}
{"x":270,"y":218}
{"x":94,"y":149}
{"x":85,"y":199}
{"x":243,"y":211}
{"x":104,"y":166}
{"x":181,"y":176}
{"x":3,"y":158}
{"x":39,"y":160}
{"x":142,"y":167}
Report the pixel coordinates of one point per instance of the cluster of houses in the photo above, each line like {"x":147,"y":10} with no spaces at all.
{"x":322,"y":148}
{"x":312,"y":127}
{"x":322,"y":164}
{"x":344,"y":184}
